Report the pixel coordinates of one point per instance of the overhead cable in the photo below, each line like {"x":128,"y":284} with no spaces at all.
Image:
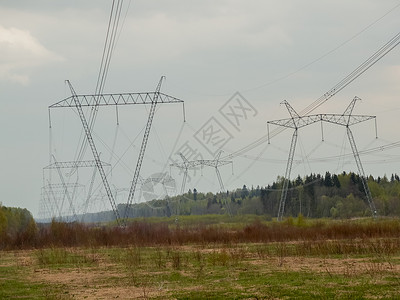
{"x":372,"y":60}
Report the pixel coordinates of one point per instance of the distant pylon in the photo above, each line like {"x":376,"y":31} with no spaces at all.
{"x":346,"y":119}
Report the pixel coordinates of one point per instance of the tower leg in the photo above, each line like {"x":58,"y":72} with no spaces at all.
{"x":361,"y":172}
{"x":287,"y":176}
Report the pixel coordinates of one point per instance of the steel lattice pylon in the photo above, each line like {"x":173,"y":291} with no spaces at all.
{"x":190,"y":165}
{"x":73,"y":166}
{"x":346,"y":119}
{"x":97,"y":100}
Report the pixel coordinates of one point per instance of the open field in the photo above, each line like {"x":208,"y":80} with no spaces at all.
{"x":352,"y":265}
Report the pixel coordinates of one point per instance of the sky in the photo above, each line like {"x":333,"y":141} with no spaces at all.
{"x":232,"y":62}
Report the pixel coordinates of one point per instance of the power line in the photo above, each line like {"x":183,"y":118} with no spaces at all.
{"x":109,"y":46}
{"x":372,"y":60}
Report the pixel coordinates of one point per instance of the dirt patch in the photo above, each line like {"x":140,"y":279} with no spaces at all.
{"x":342,"y":266}
{"x":118,"y":292}
{"x":16,"y":258}
{"x":93,"y":284}
{"x":71,"y":276}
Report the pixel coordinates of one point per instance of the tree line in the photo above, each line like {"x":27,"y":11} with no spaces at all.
{"x":313,"y":196}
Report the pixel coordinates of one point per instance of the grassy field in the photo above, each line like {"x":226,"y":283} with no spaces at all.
{"x":352,"y":265}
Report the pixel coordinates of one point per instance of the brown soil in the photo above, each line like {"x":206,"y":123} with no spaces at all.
{"x":92,"y":283}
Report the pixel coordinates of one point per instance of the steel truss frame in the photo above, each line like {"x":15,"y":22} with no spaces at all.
{"x":75,"y":164}
{"x":50,"y":192}
{"x":346,"y":119}
{"x":214,"y":163}
{"x":94,"y":101}
{"x":193,"y":164}
{"x":115,"y":99}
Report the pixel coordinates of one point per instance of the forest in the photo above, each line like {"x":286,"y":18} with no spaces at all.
{"x":337,"y":196}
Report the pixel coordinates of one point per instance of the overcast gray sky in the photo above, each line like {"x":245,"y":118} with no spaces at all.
{"x":268,"y":51}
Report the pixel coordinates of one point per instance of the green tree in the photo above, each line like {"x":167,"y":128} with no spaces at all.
{"x":3,"y":222}
{"x":245,"y":192}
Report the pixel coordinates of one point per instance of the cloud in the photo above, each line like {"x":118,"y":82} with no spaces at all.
{"x":210,"y":29}
{"x":20,"y":53}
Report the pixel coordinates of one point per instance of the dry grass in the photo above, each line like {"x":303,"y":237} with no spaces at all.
{"x":205,"y":271}
{"x":142,"y":233}
{"x":159,"y":261}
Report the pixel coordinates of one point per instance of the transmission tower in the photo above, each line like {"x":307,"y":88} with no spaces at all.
{"x":190,"y":165}
{"x":97,"y":100}
{"x":355,"y":74}
{"x":214,"y":163}
{"x":52,"y":200}
{"x":73,"y":166}
{"x":346,"y":119}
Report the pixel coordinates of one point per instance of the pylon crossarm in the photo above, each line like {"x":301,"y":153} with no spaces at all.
{"x":193,"y":164}
{"x":345,"y":120}
{"x":75,"y":164}
{"x":212,"y":163}
{"x":296,"y":122}
{"x":115,"y":99}
{"x":60,"y":185}
{"x":177,"y":165}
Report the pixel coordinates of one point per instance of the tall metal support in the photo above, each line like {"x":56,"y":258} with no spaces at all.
{"x":46,"y":208}
{"x":95,"y":154}
{"x":143,"y":147}
{"x":185,"y":175}
{"x":361,"y":172}
{"x":185,"y":165}
{"x":346,"y":119}
{"x":357,"y":72}
{"x":215,"y":163}
{"x":51,"y":192}
{"x":287,"y":175}
{"x":221,"y":184}
{"x":66,"y":193}
{"x":89,"y":194}
{"x":52,"y":197}
{"x":98,"y":100}
{"x":74,"y":165}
